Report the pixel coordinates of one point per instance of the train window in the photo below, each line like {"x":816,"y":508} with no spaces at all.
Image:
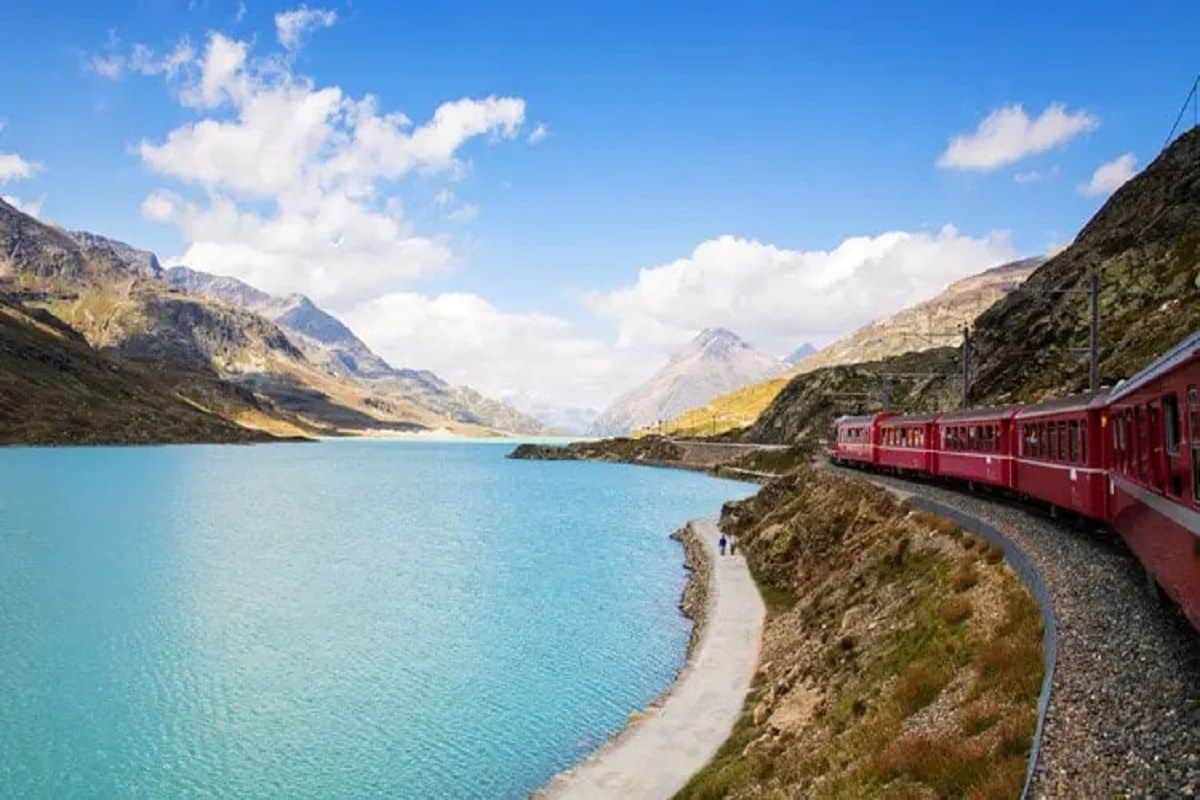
{"x":1062,"y":441}
{"x":1193,"y":394}
{"x":1171,"y":422}
{"x":1052,"y":441}
{"x":1083,"y":441}
{"x":1196,"y":474}
{"x":1073,"y":439}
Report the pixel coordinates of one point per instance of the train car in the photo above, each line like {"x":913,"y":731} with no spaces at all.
{"x":908,"y":442}
{"x":975,"y":445}
{"x":1154,"y":471}
{"x":857,"y":438}
{"x":1060,"y":456}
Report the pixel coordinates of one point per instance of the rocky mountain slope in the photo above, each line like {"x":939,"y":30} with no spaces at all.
{"x":800,"y":353}
{"x":927,"y":325}
{"x":713,"y":363}
{"x":224,"y":358}
{"x":906,"y":331}
{"x":327,"y":342}
{"x":57,"y":389}
{"x":1145,"y":241}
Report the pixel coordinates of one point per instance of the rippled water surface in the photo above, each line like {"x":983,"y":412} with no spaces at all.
{"x":344,"y":619}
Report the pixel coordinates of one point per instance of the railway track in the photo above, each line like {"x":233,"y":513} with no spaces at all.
{"x":1123,"y":719}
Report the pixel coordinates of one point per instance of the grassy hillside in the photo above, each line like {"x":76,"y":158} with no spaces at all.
{"x":901,"y":656}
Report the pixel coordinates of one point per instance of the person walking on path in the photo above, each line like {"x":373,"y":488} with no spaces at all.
{"x":721,"y":544}
{"x":732,"y":544}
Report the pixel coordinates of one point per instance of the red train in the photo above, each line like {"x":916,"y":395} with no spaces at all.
{"x":1128,"y":457}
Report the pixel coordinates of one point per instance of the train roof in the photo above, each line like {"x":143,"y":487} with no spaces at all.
{"x":968,"y":414}
{"x":1173,"y":358}
{"x":1063,"y":405}
{"x":860,"y":419}
{"x":905,"y":419}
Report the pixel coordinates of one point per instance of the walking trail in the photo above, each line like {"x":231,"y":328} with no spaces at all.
{"x":655,"y":756}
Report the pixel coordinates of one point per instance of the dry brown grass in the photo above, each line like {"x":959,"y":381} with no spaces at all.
{"x":965,"y":576}
{"x":955,"y":610}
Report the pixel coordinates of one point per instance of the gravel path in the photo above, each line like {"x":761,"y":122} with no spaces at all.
{"x":1124,"y":714}
{"x":655,"y":756}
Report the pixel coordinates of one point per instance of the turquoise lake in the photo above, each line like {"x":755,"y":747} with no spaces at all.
{"x":341,"y":619}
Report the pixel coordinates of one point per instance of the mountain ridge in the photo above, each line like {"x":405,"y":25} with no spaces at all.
{"x":715,"y":361}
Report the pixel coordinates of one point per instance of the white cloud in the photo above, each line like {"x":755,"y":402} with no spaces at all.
{"x":778,"y":298}
{"x":443,"y":198}
{"x":15,"y":168}
{"x":1036,"y":175}
{"x":294,"y":176}
{"x":467,"y":212}
{"x":143,"y":60}
{"x":240,"y":14}
{"x":1008,"y":134}
{"x":466,"y":339}
{"x":292,"y":27}
{"x":539,"y":133}
{"x":1110,"y":176}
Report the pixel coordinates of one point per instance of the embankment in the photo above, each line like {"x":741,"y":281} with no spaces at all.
{"x":901,"y":655}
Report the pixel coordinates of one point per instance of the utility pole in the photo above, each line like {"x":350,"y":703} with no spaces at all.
{"x":966,"y":366}
{"x":1094,"y":338}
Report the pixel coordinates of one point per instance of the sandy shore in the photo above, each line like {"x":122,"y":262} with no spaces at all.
{"x":656,"y":755}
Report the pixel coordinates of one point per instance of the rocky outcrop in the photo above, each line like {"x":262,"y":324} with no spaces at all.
{"x":715,"y":362}
{"x":1145,"y":243}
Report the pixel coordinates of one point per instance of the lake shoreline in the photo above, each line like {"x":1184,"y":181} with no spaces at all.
{"x":682,"y":729}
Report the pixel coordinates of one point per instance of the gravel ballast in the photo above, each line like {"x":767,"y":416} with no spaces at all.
{"x":1124,"y":712}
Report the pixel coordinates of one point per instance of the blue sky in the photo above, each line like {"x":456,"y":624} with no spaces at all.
{"x":669,"y":126}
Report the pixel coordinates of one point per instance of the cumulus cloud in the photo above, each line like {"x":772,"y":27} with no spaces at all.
{"x":15,"y":168}
{"x":292,"y":27}
{"x":1110,"y":176}
{"x":778,"y":298}
{"x":539,"y":132}
{"x":293,"y":177}
{"x":466,"y":339}
{"x":1008,"y":134}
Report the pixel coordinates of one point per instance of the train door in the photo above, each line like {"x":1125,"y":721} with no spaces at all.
{"x":1154,"y":434}
{"x":1193,"y":434}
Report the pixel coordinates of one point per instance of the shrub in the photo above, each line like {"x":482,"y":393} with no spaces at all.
{"x":955,"y":610}
{"x":964,"y":576}
{"x":921,"y":683}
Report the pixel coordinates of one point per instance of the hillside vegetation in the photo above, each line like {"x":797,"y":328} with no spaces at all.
{"x":901,"y":656}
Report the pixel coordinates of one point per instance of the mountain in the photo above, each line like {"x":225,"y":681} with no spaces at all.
{"x":800,"y":353}
{"x":323,"y":337}
{"x":1145,"y":243}
{"x":927,"y":325}
{"x":903,"y":332}
{"x":56,"y":389}
{"x":715,"y":362}
{"x":218,"y":356}
{"x":564,"y":419}
{"x":328,"y":343}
